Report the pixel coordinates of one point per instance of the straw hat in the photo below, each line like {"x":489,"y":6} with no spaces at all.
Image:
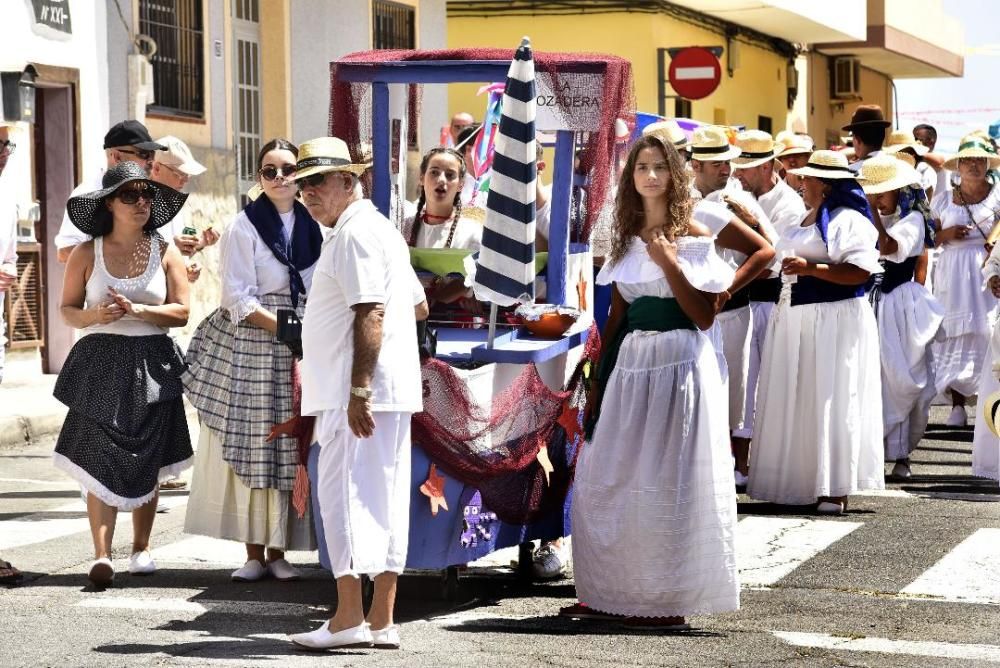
{"x":991,"y":408}
{"x":82,"y":209}
{"x":885,"y":172}
{"x":668,"y":132}
{"x":973,"y":146}
{"x":866,"y":116}
{"x":711,"y":144}
{"x":326,"y":154}
{"x":178,"y":156}
{"x":756,"y":146}
{"x":791,"y":144}
{"x":825,"y":164}
{"x":908,"y":158}
{"x":899,"y":140}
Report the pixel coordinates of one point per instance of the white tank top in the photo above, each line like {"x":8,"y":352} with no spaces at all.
{"x":149,"y":289}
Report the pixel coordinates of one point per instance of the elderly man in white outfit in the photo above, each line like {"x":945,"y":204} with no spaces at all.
{"x":361,"y":379}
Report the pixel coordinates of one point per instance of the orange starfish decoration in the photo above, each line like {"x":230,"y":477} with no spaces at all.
{"x":569,"y":420}
{"x":433,"y":488}
{"x":581,"y":291}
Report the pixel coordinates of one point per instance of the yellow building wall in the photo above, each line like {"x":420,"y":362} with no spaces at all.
{"x":275,"y":69}
{"x":757,"y":88}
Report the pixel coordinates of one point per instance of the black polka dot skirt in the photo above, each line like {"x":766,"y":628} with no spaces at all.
{"x":126,"y":429}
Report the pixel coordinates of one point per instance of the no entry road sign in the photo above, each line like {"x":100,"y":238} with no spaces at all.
{"x":694,"y":72}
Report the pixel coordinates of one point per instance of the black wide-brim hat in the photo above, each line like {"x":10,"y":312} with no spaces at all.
{"x":82,"y":209}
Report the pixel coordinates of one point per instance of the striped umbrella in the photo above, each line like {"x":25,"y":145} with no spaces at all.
{"x":505,"y":266}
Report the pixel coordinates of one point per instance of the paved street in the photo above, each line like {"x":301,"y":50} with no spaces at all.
{"x":910,"y":577}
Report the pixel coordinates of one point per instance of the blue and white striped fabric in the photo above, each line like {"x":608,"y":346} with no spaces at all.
{"x":505,"y":267}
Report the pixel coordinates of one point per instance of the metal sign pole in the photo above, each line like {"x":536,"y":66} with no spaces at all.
{"x":493,"y":326}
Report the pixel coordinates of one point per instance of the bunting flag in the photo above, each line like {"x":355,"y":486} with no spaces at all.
{"x":504,"y":271}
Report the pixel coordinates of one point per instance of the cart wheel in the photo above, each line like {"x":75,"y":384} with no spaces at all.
{"x":450,"y":583}
{"x":525,"y":557}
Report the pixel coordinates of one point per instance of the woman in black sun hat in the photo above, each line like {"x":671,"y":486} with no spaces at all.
{"x":125,"y":429}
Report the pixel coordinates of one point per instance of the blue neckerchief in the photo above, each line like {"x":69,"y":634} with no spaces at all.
{"x":914,"y":198}
{"x":846,"y":193}
{"x":298,"y":254}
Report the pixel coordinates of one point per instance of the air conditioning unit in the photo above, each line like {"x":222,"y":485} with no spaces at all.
{"x":845,"y":78}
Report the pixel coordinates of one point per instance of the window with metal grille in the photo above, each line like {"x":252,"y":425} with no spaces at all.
{"x":393,"y":25}
{"x":177,"y":27}
{"x":24,"y":305}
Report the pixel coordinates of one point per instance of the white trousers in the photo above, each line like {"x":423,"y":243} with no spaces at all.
{"x":736,"y":326}
{"x":364,"y":495}
{"x":761,"y":316}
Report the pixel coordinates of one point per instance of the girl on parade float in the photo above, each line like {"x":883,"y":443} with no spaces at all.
{"x":967,"y":214}
{"x":125,"y":430}
{"x":909,"y":318}
{"x":654,"y":507}
{"x":818,"y":429}
{"x":240,"y":377}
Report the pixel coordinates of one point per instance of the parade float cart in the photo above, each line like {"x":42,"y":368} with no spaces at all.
{"x":497,"y":412}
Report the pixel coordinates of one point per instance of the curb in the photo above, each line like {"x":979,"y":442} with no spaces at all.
{"x":21,"y":431}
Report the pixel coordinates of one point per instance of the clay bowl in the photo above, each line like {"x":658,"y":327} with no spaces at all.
{"x":550,"y":325}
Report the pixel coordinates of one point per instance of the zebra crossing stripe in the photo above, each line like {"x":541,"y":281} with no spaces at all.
{"x":204,"y":550}
{"x":943,"y":650}
{"x":969,"y":573}
{"x":769,"y":548}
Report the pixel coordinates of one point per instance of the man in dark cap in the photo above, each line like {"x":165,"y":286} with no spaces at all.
{"x":125,"y":141}
{"x":867,"y":128}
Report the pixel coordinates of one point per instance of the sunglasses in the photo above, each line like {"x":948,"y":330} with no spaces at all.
{"x":139,"y":153}
{"x":133,"y":195}
{"x":312,"y":181}
{"x":7,"y":146}
{"x":270,"y":173}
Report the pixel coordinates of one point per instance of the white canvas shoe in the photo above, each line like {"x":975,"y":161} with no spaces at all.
{"x":102,"y":572}
{"x":141,"y":563}
{"x":251,"y":571}
{"x":387,"y":638}
{"x":957,"y":417}
{"x":282,"y":571}
{"x":321,"y":638}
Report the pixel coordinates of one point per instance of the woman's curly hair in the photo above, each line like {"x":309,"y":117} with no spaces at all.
{"x":629,"y":216}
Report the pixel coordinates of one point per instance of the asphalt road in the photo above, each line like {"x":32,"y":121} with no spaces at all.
{"x":906,"y":578}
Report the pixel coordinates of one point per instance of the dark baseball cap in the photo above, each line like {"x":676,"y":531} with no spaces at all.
{"x":131,"y":133}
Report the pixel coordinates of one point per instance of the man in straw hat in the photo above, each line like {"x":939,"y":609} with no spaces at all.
{"x":126,"y":141}
{"x":867,"y":128}
{"x":671,"y":133}
{"x":755,"y":169}
{"x":711,"y":154}
{"x":361,"y":379}
{"x":792,"y":151}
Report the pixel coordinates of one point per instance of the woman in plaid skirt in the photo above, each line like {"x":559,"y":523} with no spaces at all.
{"x":240,"y":378}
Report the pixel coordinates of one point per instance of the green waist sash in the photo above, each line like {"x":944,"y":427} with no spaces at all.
{"x":645,"y":314}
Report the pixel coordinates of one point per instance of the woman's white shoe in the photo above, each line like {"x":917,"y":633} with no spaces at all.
{"x":251,"y":571}
{"x":282,"y":571}
{"x":141,"y":563}
{"x":830,"y":508}
{"x":957,"y":418}
{"x":102,"y":572}
{"x":387,"y":638}
{"x":321,"y":638}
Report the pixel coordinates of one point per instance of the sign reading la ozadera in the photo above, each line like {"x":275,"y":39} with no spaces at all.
{"x":52,"y":18}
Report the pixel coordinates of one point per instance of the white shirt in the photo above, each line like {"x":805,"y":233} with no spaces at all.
{"x":364,"y":260}
{"x":8,"y":252}
{"x":783,"y":206}
{"x":908,"y":234}
{"x":248,"y":268}
{"x":928,"y":177}
{"x":543,"y":215}
{"x":468,"y":234}
{"x":69,"y":234}
{"x":850,"y":239}
{"x":749,"y":202}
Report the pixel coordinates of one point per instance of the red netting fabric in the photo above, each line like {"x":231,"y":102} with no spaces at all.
{"x":351,"y":112}
{"x":494,"y":448}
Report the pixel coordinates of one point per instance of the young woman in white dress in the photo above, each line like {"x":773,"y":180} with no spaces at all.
{"x":818,"y":429}
{"x":967,"y":215}
{"x":654,"y":508}
{"x":909,"y":318}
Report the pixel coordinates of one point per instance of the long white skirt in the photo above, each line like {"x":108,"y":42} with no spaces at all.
{"x":758,"y":332}
{"x":736,"y":326}
{"x":654,"y":508}
{"x":969,"y":311}
{"x":986,"y":446}
{"x":909,"y":319}
{"x":818,"y":430}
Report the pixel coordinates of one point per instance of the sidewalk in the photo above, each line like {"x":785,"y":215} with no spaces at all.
{"x":28,"y":411}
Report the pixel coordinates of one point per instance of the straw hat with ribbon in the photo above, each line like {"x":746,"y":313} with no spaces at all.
{"x":326,"y":154}
{"x":756,"y":148}
{"x":83,"y":209}
{"x":973,"y":146}
{"x":885,"y":172}
{"x":668,"y":132}
{"x":791,"y":144}
{"x":711,"y":144}
{"x":900,"y":140}
{"x":991,"y":412}
{"x":825,"y":164}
